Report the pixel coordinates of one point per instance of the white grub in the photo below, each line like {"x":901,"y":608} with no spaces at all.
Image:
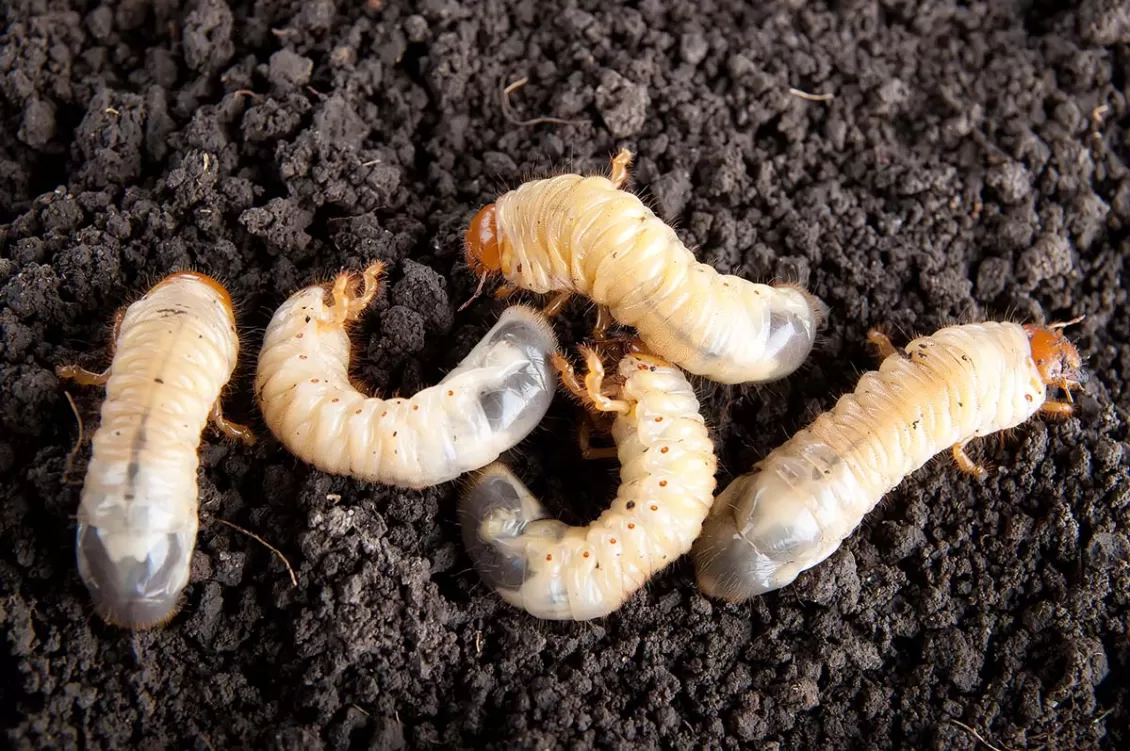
{"x":667,"y":464}
{"x":585,"y":235}
{"x":798,"y":505}
{"x":487,"y":405}
{"x":174,"y":351}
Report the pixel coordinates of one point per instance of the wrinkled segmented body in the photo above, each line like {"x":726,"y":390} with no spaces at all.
{"x":496,"y":396}
{"x":582,"y":234}
{"x":801,"y":501}
{"x":175,"y":351}
{"x":556,"y":571}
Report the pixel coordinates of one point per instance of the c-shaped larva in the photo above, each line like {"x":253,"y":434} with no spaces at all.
{"x":487,"y":405}
{"x":174,"y":350}
{"x":585,"y":235}
{"x":667,"y":464}
{"x":798,"y":504}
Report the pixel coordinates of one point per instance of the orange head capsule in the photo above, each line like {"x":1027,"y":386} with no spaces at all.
{"x":1056,"y":359}
{"x":481,"y":242}
{"x":198,"y":277}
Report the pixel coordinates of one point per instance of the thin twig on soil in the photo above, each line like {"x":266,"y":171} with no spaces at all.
{"x":267,"y":545}
{"x":78,"y":441}
{"x":976,"y":735}
{"x":508,"y":111}
{"x":811,"y":97}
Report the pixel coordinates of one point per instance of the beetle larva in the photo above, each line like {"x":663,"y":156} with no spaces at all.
{"x":798,"y":504}
{"x":585,"y":235}
{"x":556,"y":571}
{"x":174,"y":351}
{"x":487,"y":405}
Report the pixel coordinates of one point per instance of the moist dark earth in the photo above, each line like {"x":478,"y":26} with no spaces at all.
{"x":956,"y":162}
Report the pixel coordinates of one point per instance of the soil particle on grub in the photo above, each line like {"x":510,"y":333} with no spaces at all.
{"x":914,"y":164}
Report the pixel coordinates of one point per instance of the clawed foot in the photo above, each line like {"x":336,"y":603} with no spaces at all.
{"x":348,"y":305}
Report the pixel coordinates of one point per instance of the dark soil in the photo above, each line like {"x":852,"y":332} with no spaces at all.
{"x":972,"y":164}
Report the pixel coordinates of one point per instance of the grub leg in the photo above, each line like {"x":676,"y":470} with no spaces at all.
{"x":228,"y":428}
{"x":348,"y":305}
{"x":82,"y":376}
{"x":505,"y":291}
{"x":569,"y":378}
{"x":1057,"y":409}
{"x":594,"y":385}
{"x":557,"y":304}
{"x":966,"y":464}
{"x":882,"y":343}
{"x":604,"y":321}
{"x":620,"y":164}
{"x":590,"y":392}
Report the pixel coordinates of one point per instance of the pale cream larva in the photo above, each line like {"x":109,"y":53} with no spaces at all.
{"x":487,"y":405}
{"x":559,"y":572}
{"x":174,"y":351}
{"x":807,"y":496}
{"x":575,"y":234}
